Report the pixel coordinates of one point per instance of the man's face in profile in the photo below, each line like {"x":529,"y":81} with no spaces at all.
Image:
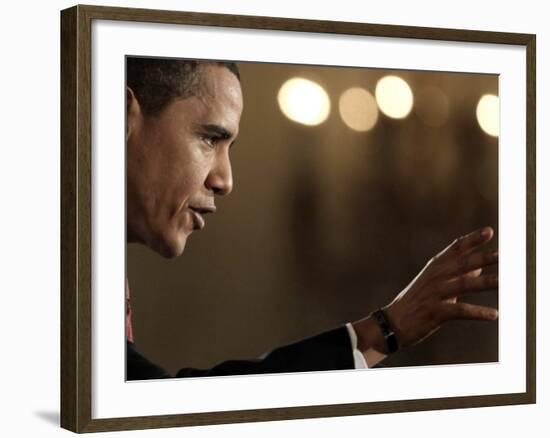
{"x":179,"y":159}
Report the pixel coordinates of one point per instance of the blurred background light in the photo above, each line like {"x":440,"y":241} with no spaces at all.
{"x":394,"y":97}
{"x":358,"y":109}
{"x":432,"y":106}
{"x":487,"y":113}
{"x":304,"y":101}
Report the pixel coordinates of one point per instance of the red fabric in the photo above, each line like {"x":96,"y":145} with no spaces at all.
{"x":129,"y":332}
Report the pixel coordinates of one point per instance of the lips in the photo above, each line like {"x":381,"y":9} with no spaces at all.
{"x":198,"y":212}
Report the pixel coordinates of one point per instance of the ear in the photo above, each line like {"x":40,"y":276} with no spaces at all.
{"x":133,"y":112}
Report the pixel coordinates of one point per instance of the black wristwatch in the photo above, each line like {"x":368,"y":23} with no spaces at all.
{"x":387,"y":331}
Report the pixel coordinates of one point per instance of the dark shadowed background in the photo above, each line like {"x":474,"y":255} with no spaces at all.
{"x":325,"y":224}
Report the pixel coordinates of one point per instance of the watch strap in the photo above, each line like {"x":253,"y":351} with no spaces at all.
{"x":387,"y":331}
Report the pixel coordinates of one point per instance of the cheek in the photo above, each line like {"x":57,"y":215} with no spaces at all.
{"x":188,"y":178}
{"x":174,"y":170}
{"x":188,"y":182}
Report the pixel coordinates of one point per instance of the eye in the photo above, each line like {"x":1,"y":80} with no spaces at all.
{"x":210,"y":140}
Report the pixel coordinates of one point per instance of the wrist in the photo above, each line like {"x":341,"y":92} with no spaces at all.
{"x":395,"y":322}
{"x":369,"y":336}
{"x":386,"y":328}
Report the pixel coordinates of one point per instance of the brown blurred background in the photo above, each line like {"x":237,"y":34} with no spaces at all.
{"x":325,"y":223}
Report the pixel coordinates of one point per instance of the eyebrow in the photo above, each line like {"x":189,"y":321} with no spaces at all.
{"x":223,"y":133}
{"x":220,"y":131}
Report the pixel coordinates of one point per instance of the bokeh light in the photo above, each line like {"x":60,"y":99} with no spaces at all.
{"x":304,"y":101}
{"x":358,"y":109}
{"x":394,"y":97}
{"x":432,"y":106}
{"x":488,"y":114}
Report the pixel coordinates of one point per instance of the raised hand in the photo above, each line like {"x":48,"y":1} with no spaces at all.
{"x":431,"y":298}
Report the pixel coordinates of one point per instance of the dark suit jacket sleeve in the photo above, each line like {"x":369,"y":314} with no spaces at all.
{"x":138,"y":367}
{"x":330,"y":350}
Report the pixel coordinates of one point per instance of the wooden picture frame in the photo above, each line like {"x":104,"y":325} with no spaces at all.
{"x":76,"y":217}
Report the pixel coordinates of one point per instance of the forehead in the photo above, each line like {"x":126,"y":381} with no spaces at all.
{"x":220,"y":92}
{"x":218,"y":81}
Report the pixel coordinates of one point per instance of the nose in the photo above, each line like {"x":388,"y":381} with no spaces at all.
{"x":220,"y":178}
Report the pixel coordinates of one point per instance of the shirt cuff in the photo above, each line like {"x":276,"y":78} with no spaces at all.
{"x":358,"y":357}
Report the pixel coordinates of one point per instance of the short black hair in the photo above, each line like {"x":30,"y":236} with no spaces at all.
{"x":156,"y":82}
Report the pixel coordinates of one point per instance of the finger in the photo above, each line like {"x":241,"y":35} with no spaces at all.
{"x":471,"y":274}
{"x":467,"y":311}
{"x":464,"y":285}
{"x":466,"y":242}
{"x":469,"y":262}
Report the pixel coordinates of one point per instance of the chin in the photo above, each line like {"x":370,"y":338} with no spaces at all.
{"x":170,"y":246}
{"x":175,"y":248}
